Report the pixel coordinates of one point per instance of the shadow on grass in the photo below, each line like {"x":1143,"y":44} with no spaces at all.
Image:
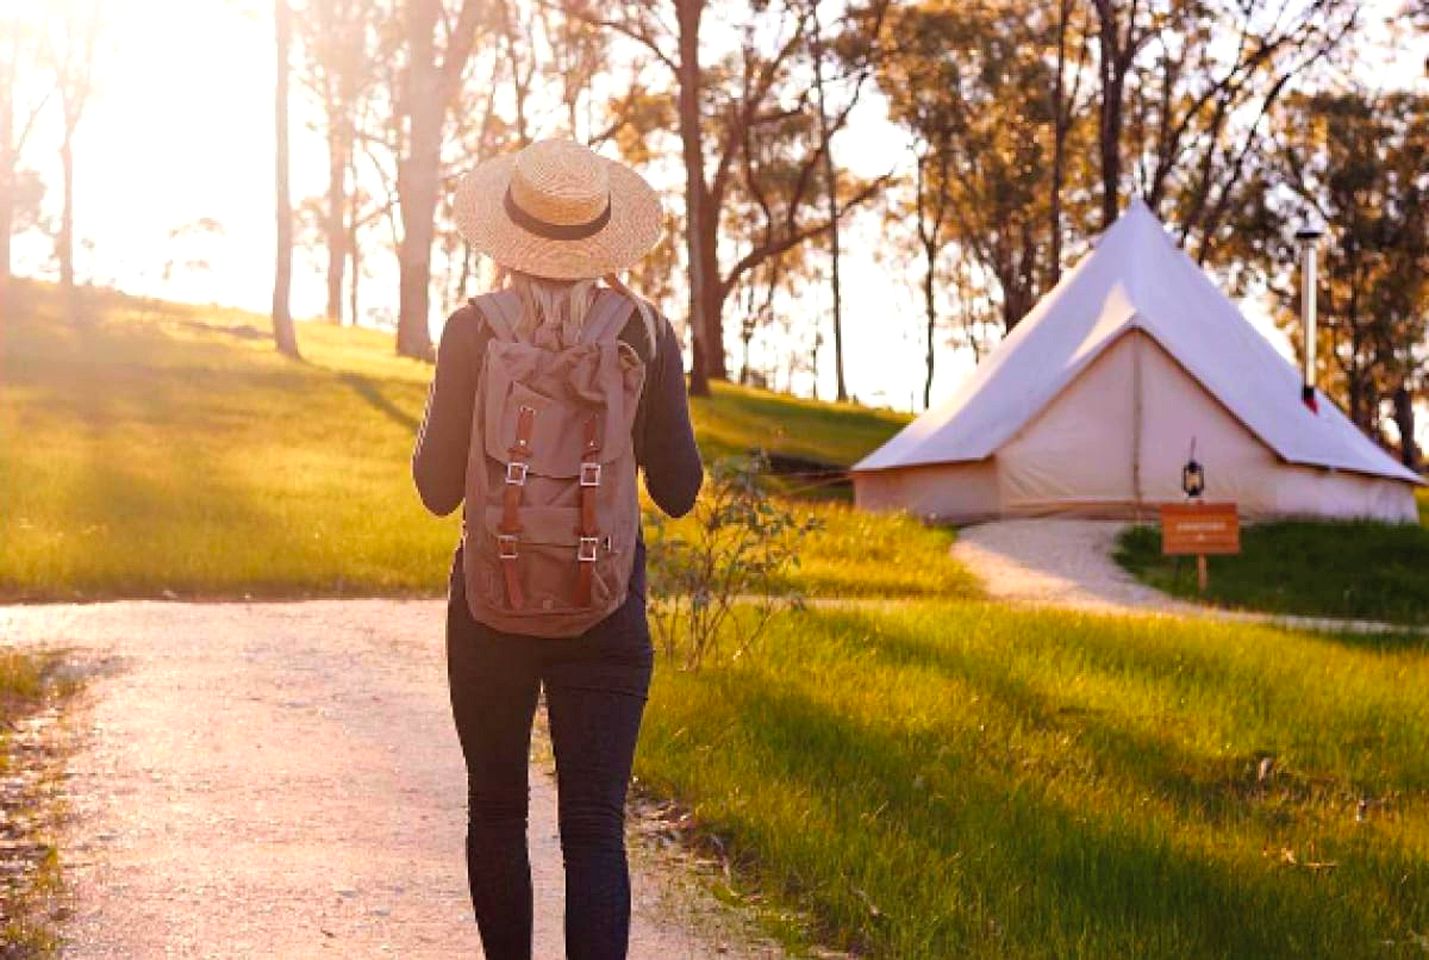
{"x":240,"y":331}
{"x":998,"y":865}
{"x":1183,"y":678}
{"x":368,"y":389}
{"x":1222,"y":791}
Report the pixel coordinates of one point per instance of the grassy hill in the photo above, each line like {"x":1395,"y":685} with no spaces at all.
{"x":165,"y":449}
{"x":736,"y":419}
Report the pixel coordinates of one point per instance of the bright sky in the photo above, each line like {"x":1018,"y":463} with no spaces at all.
{"x":182,"y":129}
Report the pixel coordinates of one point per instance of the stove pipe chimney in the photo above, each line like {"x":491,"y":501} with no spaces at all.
{"x":1307,"y":237}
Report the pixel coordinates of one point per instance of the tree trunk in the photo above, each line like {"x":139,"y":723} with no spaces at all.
{"x":1109,"y":117}
{"x":832,"y":187}
{"x":1012,"y":308}
{"x":353,"y":282}
{"x":64,"y":243}
{"x":712,"y":296}
{"x":1061,"y":124}
{"x":1110,"y":133}
{"x":1362,"y":407}
{"x":427,"y":90}
{"x":419,"y":205}
{"x":7,"y":217}
{"x":931,"y":308}
{"x":7,"y":180}
{"x":1404,"y":419}
{"x":747,"y":335}
{"x":417,"y":184}
{"x":353,"y":250}
{"x":284,"y":337}
{"x":339,"y":145}
{"x":706,"y":346}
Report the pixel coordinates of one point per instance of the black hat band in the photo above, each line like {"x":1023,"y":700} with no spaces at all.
{"x":555,"y":231}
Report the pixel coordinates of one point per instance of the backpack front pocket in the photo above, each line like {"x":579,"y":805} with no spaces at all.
{"x":545,"y":555}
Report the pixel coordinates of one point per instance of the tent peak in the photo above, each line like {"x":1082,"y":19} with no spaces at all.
{"x":1138,"y":219}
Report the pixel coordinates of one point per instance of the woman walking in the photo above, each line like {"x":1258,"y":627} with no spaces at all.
{"x":549,"y":394}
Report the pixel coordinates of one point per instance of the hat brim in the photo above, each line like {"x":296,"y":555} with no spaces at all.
{"x":633,"y":229}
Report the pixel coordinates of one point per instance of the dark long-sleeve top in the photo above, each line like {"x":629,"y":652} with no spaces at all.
{"x":663,"y":436}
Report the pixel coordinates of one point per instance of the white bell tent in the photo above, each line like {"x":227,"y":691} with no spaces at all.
{"x":1090,"y":407}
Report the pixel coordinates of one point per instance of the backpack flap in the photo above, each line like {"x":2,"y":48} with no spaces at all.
{"x":552,"y":385}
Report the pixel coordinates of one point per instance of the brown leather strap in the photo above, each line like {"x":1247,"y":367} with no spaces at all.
{"x":589,"y":545}
{"x":506,"y":552}
{"x":510,"y":526}
{"x":584,"y":579}
{"x":525,"y":423}
{"x":514,"y":596}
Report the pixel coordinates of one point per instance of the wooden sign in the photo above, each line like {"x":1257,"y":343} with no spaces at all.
{"x":1196,"y":527}
{"x":1199,"y":528}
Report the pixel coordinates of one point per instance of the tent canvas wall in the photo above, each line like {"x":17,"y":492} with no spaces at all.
{"x":1090,"y":407}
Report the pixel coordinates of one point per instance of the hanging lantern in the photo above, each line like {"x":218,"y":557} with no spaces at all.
{"x":1193,"y":475}
{"x":1193,"y":478}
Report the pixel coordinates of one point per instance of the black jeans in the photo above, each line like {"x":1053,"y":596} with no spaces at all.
{"x":596,"y":686}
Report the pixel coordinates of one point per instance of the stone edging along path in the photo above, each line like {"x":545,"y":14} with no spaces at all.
{"x":283,"y":780}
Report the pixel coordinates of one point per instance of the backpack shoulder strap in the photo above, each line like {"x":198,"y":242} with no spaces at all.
{"x":502,"y":310}
{"x":607,"y":317}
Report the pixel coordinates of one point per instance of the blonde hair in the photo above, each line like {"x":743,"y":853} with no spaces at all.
{"x":554,"y":311}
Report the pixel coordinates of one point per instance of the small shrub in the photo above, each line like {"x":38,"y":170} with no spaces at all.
{"x":725,"y":568}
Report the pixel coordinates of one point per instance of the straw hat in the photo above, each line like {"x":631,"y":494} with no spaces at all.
{"x":556,"y":209}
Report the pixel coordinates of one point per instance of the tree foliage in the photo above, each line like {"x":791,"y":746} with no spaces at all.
{"x":1358,"y":163}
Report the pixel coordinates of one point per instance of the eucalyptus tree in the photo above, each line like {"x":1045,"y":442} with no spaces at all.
{"x":71,"y":34}
{"x":970,"y":84}
{"x":436,"y":45}
{"x":21,"y":105}
{"x":339,"y":69}
{"x":1359,"y":163}
{"x":284,"y":336}
{"x":720,"y":103}
{"x":1184,"y":91}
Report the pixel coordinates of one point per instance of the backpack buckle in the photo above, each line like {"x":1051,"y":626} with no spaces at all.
{"x":590,"y":474}
{"x":586,"y":552}
{"x":506,"y":546}
{"x":516,"y":472}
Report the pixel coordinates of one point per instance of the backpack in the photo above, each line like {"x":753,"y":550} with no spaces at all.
{"x":552,"y":512}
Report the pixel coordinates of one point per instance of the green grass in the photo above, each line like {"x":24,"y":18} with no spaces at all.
{"x":939,"y":780}
{"x":29,"y":900}
{"x":167,"y":450}
{"x":22,"y":681}
{"x":1422,"y":495}
{"x":1358,"y":570}
{"x":735,"y":419}
{"x":857,"y":554}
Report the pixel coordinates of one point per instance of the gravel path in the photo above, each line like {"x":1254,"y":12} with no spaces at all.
{"x":1061,"y":563}
{"x":283,"y":780}
{"x":1068,"y":564}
